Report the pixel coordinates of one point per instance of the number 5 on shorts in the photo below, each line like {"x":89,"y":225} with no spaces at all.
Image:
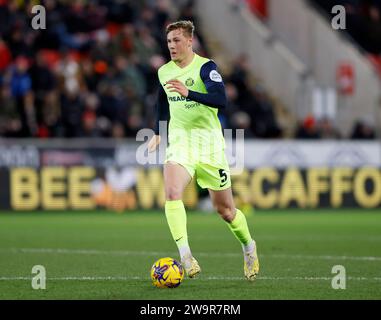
{"x":224,"y":177}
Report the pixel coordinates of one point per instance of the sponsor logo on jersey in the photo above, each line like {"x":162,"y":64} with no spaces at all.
{"x":178,"y":98}
{"x":192,"y":105}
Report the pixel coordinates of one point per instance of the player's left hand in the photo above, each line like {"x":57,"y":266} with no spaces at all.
{"x":177,"y":86}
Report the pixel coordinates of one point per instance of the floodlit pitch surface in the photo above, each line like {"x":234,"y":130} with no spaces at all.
{"x":104,"y":255}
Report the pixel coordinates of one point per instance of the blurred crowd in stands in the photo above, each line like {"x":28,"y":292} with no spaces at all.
{"x":93,"y":72}
{"x":324,"y":128}
{"x":363,"y":21}
{"x":363,"y":25}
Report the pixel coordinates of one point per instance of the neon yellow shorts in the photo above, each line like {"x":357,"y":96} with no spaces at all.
{"x":211,"y":172}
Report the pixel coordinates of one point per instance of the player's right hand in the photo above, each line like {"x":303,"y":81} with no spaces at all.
{"x":153,"y":143}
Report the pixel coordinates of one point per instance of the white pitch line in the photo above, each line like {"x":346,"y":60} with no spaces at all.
{"x":165,"y":253}
{"x":325,"y":257}
{"x":209,"y":278}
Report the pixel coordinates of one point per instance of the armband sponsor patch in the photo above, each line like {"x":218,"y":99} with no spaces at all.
{"x":215,"y":76}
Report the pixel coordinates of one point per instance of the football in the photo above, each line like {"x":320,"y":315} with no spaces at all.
{"x":167,"y":273}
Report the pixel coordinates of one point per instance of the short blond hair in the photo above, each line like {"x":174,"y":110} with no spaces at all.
{"x":186,"y":25}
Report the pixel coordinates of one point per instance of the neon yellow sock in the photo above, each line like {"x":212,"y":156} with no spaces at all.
{"x":240,"y":229}
{"x":177,"y":222}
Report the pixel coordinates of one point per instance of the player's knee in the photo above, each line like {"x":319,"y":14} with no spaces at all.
{"x":226,"y":212}
{"x":173,"y":194}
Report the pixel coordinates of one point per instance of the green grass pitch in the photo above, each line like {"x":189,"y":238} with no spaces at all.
{"x":104,"y":255}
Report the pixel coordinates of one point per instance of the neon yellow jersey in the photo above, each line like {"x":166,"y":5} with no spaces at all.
{"x":193,"y":127}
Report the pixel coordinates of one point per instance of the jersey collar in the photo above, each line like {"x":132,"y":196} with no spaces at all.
{"x":188,"y":66}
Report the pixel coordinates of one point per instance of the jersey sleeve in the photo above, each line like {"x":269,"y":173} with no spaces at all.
{"x":215,"y":96}
{"x":162,"y":109}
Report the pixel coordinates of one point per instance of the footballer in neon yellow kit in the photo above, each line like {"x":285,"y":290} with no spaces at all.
{"x":190,"y":95}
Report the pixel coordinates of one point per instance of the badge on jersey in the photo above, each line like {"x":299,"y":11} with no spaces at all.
{"x":215,"y":76}
{"x":189,"y":82}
